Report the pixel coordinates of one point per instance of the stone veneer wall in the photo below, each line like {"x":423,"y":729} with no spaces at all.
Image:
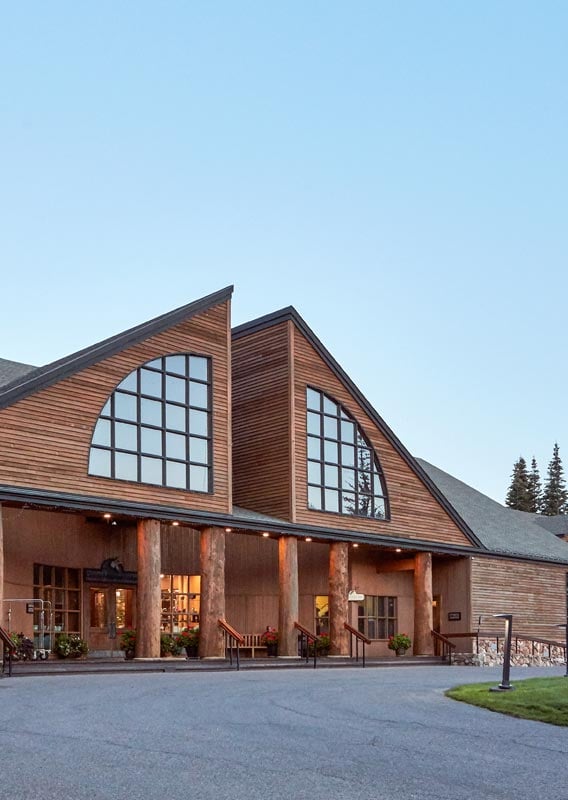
{"x":524,"y":654}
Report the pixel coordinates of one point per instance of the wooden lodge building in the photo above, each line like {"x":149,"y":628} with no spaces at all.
{"x":182,"y":472}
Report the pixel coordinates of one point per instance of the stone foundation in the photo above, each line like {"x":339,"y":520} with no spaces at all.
{"x":524,"y":654}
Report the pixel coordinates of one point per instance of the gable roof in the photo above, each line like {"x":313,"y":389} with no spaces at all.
{"x":290,"y":314}
{"x":34,"y":379}
{"x":501,"y":530}
{"x":557,"y":525}
{"x":11,"y":371}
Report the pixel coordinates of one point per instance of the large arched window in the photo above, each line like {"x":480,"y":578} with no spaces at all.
{"x":344,"y":474}
{"x":156,"y":426}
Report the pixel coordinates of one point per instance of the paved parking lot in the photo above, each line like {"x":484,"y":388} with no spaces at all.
{"x":374,"y":734}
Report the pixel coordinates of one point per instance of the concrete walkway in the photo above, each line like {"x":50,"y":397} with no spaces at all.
{"x":374,"y":734}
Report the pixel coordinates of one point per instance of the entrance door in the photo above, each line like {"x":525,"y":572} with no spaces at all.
{"x":111,"y":612}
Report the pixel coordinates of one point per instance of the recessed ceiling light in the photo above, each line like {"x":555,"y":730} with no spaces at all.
{"x":398,"y":550}
{"x":308,"y":538}
{"x":228,"y":530}
{"x":107,"y":516}
{"x":355,"y":545}
{"x":175,"y":524}
{"x":266,"y":535}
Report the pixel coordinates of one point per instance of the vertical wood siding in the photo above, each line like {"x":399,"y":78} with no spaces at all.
{"x":534,"y":593}
{"x":45,"y":437}
{"x":261,"y":419}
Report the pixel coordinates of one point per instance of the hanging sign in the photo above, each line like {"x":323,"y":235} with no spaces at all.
{"x":354,"y":596}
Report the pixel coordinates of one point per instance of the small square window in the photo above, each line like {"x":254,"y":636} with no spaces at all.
{"x":151,"y":383}
{"x":198,"y":478}
{"x":198,"y":368}
{"x":176,"y":475}
{"x":99,"y":462}
{"x":151,"y":470}
{"x":314,"y":498}
{"x":151,"y":441}
{"x":126,"y":466}
{"x":125,"y":436}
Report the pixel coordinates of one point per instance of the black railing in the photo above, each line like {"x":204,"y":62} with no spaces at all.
{"x":8,"y":650}
{"x":358,"y":637}
{"x":305,"y":638}
{"x":500,"y":641}
{"x":444,"y":643}
{"x":233,"y":641}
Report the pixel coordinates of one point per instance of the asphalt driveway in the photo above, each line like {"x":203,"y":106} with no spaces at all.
{"x":374,"y":734}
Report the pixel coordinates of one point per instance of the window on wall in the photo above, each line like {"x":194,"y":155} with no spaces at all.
{"x":376,"y":617}
{"x":181,"y":596}
{"x":156,"y":426}
{"x":321,"y":614}
{"x":344,"y":474}
{"x":61,"y":587}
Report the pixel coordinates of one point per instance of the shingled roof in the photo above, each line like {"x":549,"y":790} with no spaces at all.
{"x":12,"y":370}
{"x":501,"y":530}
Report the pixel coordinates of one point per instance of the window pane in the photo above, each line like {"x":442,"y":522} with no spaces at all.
{"x":314,"y":472}
{"x":331,"y":476}
{"x":198,"y":395}
{"x":377,"y":483}
{"x":156,"y":363}
{"x":330,"y":427}
{"x":198,"y":450}
{"x":348,"y":503}
{"x":331,"y":500}
{"x":151,"y":441}
{"x":175,"y":389}
{"x":314,"y":423}
{"x":381,"y":629}
{"x":313,"y":399}
{"x":73,"y":578}
{"x":347,"y":431}
{"x":125,"y":436}
{"x":130,"y":383}
{"x":314,"y":447}
{"x":151,"y":412}
{"x":330,"y":451}
{"x":198,"y":478}
{"x":365,"y":483}
{"x":102,"y":433}
{"x":348,"y":479}
{"x":151,"y":383}
{"x":175,"y":417}
{"x":106,"y":409}
{"x":329,"y":407}
{"x":176,"y":475}
{"x":198,"y":368}
{"x":99,"y":462}
{"x":125,"y":406}
{"x":176,"y":364}
{"x":379,"y":508}
{"x":126,"y":466}
{"x":314,"y":497}
{"x":364,"y":459}
{"x":198,"y":422}
{"x":151,"y":470}
{"x":372,"y":629}
{"x":347,"y":455}
{"x":391,"y":606}
{"x":175,"y":446}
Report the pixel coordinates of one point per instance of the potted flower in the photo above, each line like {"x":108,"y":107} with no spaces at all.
{"x":128,"y":643}
{"x":189,"y":640}
{"x":322,"y":645}
{"x":269,"y":639}
{"x":400,"y":643}
{"x":70,"y":645}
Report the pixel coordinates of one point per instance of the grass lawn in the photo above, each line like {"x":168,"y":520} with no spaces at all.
{"x":543,"y":699}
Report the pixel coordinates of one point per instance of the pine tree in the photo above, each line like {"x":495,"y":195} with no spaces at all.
{"x":518,"y":495}
{"x":535,"y":489}
{"x":555,"y":496}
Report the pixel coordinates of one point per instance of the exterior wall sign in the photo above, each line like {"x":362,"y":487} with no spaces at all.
{"x":355,"y":596}
{"x":454,"y":616}
{"x":111,"y":571}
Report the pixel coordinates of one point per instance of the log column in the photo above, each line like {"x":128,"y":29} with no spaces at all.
{"x":338,"y":602}
{"x":423,"y":617}
{"x":1,"y":571}
{"x":148,"y":597}
{"x":289,"y":596}
{"x":212,"y":608}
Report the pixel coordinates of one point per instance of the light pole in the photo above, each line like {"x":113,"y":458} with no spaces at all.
{"x":565,"y":626}
{"x":505,"y":686}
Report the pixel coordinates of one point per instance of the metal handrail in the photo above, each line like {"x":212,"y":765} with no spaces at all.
{"x":9,"y":647}
{"x":232,"y":636}
{"x":309,"y":635}
{"x":359,"y":637}
{"x":520,"y":637}
{"x":447,"y":646}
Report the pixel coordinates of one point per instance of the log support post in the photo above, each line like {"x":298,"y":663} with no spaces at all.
{"x":338,"y":594}
{"x":1,"y":570}
{"x":212,"y":609}
{"x":148,"y":597}
{"x":423,"y":616}
{"x":289,"y":596}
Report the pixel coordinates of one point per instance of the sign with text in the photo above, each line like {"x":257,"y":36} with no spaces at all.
{"x":454,"y":616}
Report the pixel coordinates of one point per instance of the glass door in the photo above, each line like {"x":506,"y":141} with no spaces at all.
{"x":111,"y":612}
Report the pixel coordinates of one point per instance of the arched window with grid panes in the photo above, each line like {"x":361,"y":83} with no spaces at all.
{"x":156,"y":426}
{"x":344,"y":472}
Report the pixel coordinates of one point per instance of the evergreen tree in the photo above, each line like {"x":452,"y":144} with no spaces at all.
{"x":518,"y":495}
{"x":555,"y":496}
{"x":535,"y":489}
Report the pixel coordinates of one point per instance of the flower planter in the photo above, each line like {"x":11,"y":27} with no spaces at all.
{"x":129,"y":655}
{"x":401,"y":651}
{"x":192,"y":650}
{"x":272,"y":649}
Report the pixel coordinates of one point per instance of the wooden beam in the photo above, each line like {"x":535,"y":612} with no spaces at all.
{"x":423,"y":616}
{"x":288,"y":611}
{"x":212,"y":609}
{"x":1,"y":570}
{"x":148,"y":597}
{"x":338,"y":602}
{"x":404,"y":565}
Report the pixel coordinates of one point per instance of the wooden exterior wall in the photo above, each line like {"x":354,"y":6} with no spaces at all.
{"x":261,"y":422}
{"x":45,"y":437}
{"x":414,"y":511}
{"x":451,"y":584}
{"x":534,"y":593}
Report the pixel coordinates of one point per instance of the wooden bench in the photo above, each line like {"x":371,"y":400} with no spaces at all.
{"x":252,"y":643}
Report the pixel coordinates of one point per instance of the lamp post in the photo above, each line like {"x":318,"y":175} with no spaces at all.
{"x":505,"y":686}
{"x":565,"y":626}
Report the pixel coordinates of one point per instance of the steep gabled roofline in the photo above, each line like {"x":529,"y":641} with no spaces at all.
{"x":45,"y":376}
{"x":290,"y":314}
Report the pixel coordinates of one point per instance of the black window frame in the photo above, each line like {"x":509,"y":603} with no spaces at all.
{"x":141,"y":424}
{"x":369,"y":609}
{"x":353,"y":457}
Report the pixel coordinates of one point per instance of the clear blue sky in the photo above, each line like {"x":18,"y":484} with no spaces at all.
{"x":396,"y":171}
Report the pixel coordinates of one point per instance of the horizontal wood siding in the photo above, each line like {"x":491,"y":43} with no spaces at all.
{"x":414,"y":511}
{"x":451,"y":584}
{"x":261,"y":449}
{"x":534,"y":593}
{"x":45,"y":437}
